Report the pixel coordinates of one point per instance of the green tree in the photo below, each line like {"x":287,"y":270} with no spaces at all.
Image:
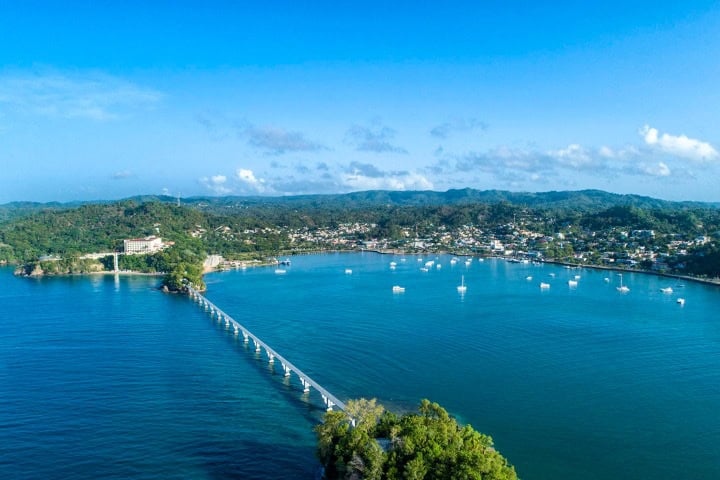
{"x":427,"y":445}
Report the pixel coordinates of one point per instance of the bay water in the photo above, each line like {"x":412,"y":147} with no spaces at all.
{"x":107,"y":377}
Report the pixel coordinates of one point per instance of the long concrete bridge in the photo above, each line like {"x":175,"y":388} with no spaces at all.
{"x":329,"y":399}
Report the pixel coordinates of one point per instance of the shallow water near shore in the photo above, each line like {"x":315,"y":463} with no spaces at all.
{"x":105,"y":377}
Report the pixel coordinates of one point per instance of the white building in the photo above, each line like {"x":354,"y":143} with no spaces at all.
{"x":142,"y":245}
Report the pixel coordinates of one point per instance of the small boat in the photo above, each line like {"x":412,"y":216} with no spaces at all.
{"x":544,"y":286}
{"x":572,"y":283}
{"x":528,"y":278}
{"x":577,"y":277}
{"x":462,"y":288}
{"x":392,"y":267}
{"x":607,"y":280}
{"x":552,"y":275}
{"x":467,"y":263}
{"x":398,"y":289}
{"x":280,"y":271}
{"x":438,"y":266}
{"x":453,"y":261}
{"x":419,"y":259}
{"x":513,"y":260}
{"x":285,"y":262}
{"x":666,"y":290}
{"x":423,"y":269}
{"x":622,"y":288}
{"x":681,"y":301}
{"x":393,"y":264}
{"x":430,"y":263}
{"x":481,"y":259}
{"x":403,"y":260}
{"x":348,"y":271}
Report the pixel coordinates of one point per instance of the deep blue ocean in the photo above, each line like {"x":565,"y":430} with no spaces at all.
{"x":104,"y":377}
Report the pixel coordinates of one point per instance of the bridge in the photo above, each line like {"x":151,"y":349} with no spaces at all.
{"x":329,"y":399}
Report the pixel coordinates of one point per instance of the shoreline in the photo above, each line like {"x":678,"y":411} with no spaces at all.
{"x":706,"y":281}
{"x":251,"y":264}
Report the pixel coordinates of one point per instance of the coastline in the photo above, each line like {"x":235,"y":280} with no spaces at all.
{"x":706,"y":281}
{"x":244,"y":264}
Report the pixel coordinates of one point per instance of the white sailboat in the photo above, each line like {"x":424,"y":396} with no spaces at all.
{"x":462,"y":288}
{"x":622,"y":288}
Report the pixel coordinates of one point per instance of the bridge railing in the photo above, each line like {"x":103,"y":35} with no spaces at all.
{"x":329,"y":399}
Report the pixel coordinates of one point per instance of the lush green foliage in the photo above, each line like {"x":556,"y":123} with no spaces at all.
{"x":242,"y":228}
{"x":427,"y":445}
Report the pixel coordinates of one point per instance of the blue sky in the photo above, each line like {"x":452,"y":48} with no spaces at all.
{"x":104,"y":100}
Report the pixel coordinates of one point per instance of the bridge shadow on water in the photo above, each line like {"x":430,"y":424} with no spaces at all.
{"x":309,"y":405}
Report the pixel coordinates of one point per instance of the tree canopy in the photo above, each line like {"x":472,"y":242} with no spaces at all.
{"x":368,"y":442}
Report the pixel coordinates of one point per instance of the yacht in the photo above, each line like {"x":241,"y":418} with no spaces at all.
{"x":622,"y":288}
{"x":544,"y":286}
{"x":462,"y":288}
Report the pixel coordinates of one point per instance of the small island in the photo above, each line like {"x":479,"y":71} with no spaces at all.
{"x":370,"y":442}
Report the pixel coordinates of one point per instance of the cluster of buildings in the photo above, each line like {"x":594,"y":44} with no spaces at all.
{"x":535,"y":240}
{"x":137,"y":246}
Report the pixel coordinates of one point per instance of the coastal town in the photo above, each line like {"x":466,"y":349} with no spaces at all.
{"x":614,"y":248}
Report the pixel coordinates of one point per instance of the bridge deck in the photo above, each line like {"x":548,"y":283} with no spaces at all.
{"x":327,"y":396}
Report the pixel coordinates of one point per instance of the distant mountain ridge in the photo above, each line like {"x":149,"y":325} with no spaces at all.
{"x":583,"y":200}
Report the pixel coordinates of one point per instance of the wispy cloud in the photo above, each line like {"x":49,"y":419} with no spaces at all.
{"x":277,"y":141}
{"x":444,"y":130}
{"x":679,"y":145}
{"x":375,"y":138}
{"x":509,"y":164}
{"x":122,"y":174}
{"x":78,"y":95}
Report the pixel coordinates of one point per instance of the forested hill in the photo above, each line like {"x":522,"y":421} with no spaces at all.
{"x":580,"y":201}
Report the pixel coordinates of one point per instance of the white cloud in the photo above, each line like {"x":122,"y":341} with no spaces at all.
{"x":249,"y":181}
{"x":85,"y":95}
{"x":575,"y":157}
{"x":659,"y":169}
{"x":216,"y":184}
{"x":679,"y":145}
{"x":401,"y":181}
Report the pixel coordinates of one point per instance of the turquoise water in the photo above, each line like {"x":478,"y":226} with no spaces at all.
{"x":111,"y":378}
